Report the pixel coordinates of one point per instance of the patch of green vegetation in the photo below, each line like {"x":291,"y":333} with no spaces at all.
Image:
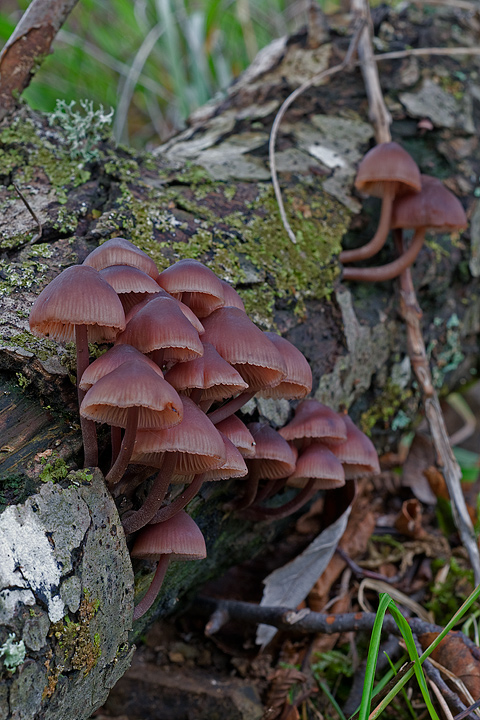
{"x":14,"y":489}
{"x":447,"y":597}
{"x":84,"y":129}
{"x":386,"y":408}
{"x":12,"y":652}
{"x":22,"y":381}
{"x":81,"y":650}
{"x":43,"y":348}
{"x":54,"y":469}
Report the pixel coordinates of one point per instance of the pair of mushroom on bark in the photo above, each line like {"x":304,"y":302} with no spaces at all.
{"x":409,"y":201}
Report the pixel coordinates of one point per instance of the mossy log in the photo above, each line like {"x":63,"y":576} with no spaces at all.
{"x":65,"y":606}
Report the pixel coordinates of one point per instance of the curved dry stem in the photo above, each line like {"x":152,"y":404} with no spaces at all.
{"x":260,"y":513}
{"x":126,"y":449}
{"x":391,"y":270}
{"x":89,"y":431}
{"x":231,"y":407}
{"x":148,"y":599}
{"x":155,"y":497}
{"x":180,"y":502}
{"x":379,"y":239}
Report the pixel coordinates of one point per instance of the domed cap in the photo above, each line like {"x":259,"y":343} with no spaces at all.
{"x":241,"y":343}
{"x":274,"y":458}
{"x":239,"y":434}
{"x":319,"y":463}
{"x":298,"y":381}
{"x":313,"y":420}
{"x":194,"y":284}
{"x":110,"y":360}
{"x":211,"y":373}
{"x":384,"y":164}
{"x":78,"y":296}
{"x":161,"y":325}
{"x":189,"y":314}
{"x":434,"y":207}
{"x":133,"y":384}
{"x":119,"y":251}
{"x":357,"y":454}
{"x":130,"y":284}
{"x":234,"y":465}
{"x":231,"y":296}
{"x":179,"y":536}
{"x":197,"y":442}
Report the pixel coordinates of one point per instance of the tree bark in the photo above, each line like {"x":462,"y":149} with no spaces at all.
{"x":207,"y":194}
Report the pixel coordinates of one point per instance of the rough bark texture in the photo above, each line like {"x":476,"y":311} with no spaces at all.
{"x":207,"y":194}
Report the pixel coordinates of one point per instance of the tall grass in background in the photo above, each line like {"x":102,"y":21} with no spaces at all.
{"x":153,"y":61}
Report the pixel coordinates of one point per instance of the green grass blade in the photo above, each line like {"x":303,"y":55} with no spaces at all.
{"x":326,"y":690}
{"x":372,"y":657}
{"x":406,"y":699}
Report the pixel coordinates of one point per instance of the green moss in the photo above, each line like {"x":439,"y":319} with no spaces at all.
{"x":385,"y":410}
{"x":81,"y":649}
{"x":41,"y":347}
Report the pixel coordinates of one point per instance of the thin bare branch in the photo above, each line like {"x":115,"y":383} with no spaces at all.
{"x":28,"y":44}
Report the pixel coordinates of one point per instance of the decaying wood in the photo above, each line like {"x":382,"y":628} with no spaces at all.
{"x":207,"y":193}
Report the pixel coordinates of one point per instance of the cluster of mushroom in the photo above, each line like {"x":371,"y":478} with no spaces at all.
{"x":409,"y":201}
{"x":182,"y":343}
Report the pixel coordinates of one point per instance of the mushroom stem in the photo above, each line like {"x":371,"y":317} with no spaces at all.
{"x":89,"y":432}
{"x":152,"y":592}
{"x":155,"y":497}
{"x":121,"y":463}
{"x":180,"y":502}
{"x":391,"y":270}
{"x":196,"y":395}
{"x":261,"y":513}
{"x":222,"y":413}
{"x":378,"y":241}
{"x":270,"y":488}
{"x":250,"y":492}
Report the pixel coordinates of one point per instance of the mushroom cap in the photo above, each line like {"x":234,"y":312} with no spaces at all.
{"x":231,"y":296}
{"x":387,"y":163}
{"x":197,"y":285}
{"x":133,"y":384}
{"x":357,"y":454}
{"x":179,"y":536}
{"x":160,"y":324}
{"x":313,"y":420}
{"x":274,"y":458}
{"x":119,"y":251}
{"x":298,"y":382}
{"x":234,"y":465}
{"x":78,"y":296}
{"x":197,"y":442}
{"x":434,"y":207}
{"x":189,"y":314}
{"x":214,"y":375}
{"x":241,"y":343}
{"x":319,"y":463}
{"x":239,"y":434}
{"x":130,"y":283}
{"x":115,"y":356}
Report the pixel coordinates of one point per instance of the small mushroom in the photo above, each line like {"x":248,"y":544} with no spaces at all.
{"x":179,"y":538}
{"x":194,"y":284}
{"x":119,"y":251}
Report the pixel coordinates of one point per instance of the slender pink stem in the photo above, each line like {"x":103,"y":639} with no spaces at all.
{"x":180,"y":502}
{"x":155,"y":497}
{"x":126,"y":449}
{"x":116,"y":439}
{"x":391,"y":270}
{"x":270,"y":488}
{"x":250,"y":487}
{"x":89,"y":431}
{"x":230,"y":407}
{"x":148,"y":599}
{"x":260,"y":513}
{"x":378,"y":241}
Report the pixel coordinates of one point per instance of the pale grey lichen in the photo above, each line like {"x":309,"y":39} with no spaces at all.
{"x":12,"y":652}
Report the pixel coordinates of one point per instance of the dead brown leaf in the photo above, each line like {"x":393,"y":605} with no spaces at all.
{"x":409,"y":520}
{"x":455,"y":656}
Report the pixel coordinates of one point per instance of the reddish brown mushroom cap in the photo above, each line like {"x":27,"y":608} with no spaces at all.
{"x":114,"y":357}
{"x":195,"y":284}
{"x":161,"y":325}
{"x":211,"y":373}
{"x":198,"y":444}
{"x":313,"y":420}
{"x":179,"y":537}
{"x":239,"y":434}
{"x":274,"y":458}
{"x":231,"y":296}
{"x":189,"y":314}
{"x":321,"y":464}
{"x":78,"y":296}
{"x":131,"y":284}
{"x":119,"y":251}
{"x":234,"y":465}
{"x":241,"y":343}
{"x":385,"y":164}
{"x":298,"y":381}
{"x":357,"y":454}
{"x":133,"y":384}
{"x":435,"y":208}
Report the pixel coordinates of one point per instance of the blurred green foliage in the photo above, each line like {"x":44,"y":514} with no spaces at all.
{"x":153,"y":61}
